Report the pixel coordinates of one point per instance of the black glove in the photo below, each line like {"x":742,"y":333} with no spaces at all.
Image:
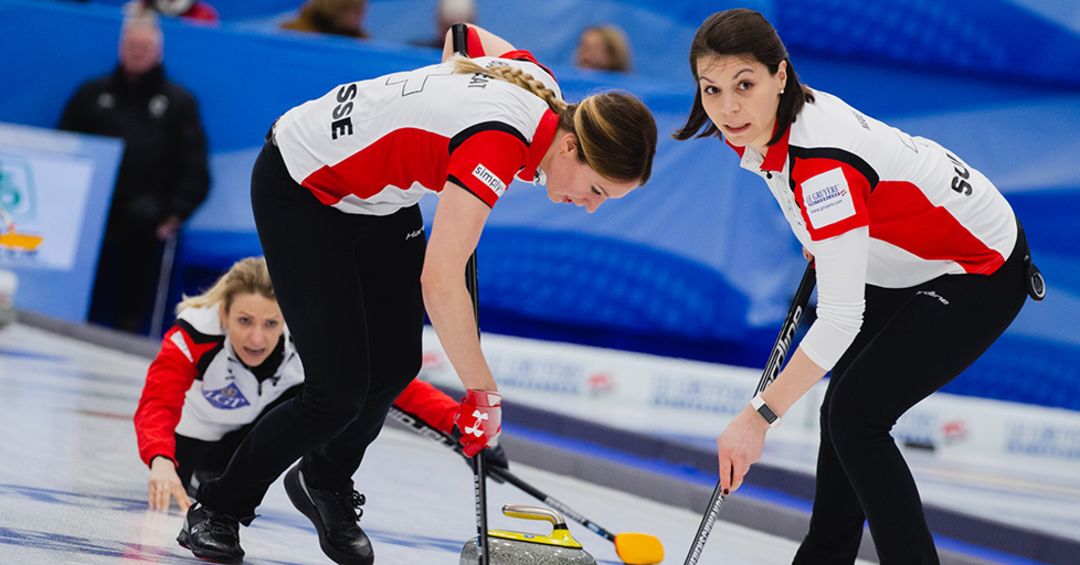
{"x":493,"y":457}
{"x":496,"y":457}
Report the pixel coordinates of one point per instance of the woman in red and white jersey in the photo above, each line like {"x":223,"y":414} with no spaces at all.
{"x":920,"y":264}
{"x":226,"y":362}
{"x":334,"y":193}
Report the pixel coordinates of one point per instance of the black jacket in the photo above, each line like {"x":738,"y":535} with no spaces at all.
{"x":164,"y":171}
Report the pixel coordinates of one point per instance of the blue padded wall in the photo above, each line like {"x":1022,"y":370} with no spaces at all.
{"x":698,"y":263}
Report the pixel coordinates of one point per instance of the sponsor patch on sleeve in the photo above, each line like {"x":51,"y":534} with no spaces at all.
{"x":490,"y":179}
{"x":827,"y":198}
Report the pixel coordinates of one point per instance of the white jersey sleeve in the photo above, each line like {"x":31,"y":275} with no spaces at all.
{"x":841,"y":263}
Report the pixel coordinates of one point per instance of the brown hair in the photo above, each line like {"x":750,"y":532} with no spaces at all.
{"x":743,"y":32}
{"x":615,"y":131}
{"x":321,"y":16}
{"x":246,"y":276}
{"x":616,"y":46}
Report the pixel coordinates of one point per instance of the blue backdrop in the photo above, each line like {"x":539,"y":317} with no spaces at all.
{"x":699,"y":262}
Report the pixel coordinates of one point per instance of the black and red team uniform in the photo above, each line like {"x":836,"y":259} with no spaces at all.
{"x":921,"y":264}
{"x":334,"y":193}
{"x":200,"y":400}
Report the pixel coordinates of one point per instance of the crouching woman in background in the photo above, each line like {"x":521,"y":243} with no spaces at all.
{"x":226,"y":362}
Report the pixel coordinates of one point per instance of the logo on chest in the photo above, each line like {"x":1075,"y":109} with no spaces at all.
{"x":228,"y":398}
{"x":158,"y":105}
{"x":106,"y":101}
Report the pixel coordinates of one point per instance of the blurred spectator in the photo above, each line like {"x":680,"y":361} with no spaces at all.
{"x":163,"y":176}
{"x":195,"y":10}
{"x":334,"y":17}
{"x":603,"y":48}
{"x":448,"y":13}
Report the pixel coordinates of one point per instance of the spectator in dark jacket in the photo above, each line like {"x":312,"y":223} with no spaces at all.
{"x":163,"y":177}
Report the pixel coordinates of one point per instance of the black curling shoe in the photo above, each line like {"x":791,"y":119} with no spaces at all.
{"x":211,"y":535}
{"x":335,"y":515}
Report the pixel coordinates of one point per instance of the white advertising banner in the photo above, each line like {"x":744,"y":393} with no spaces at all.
{"x":693,"y":401}
{"x":643,"y":393}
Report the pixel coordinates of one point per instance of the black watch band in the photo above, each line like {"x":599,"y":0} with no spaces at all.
{"x":759,"y":405}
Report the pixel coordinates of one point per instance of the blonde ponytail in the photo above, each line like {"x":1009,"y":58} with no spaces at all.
{"x":512,"y":75}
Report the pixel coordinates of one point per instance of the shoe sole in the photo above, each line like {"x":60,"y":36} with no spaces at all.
{"x":301,"y":502}
{"x":185,"y":542}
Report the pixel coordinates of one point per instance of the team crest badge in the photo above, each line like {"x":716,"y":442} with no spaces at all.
{"x":228,"y":398}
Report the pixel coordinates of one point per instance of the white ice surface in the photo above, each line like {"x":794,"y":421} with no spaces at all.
{"x":72,"y":488}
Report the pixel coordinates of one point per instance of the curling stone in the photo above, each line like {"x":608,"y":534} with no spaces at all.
{"x":520,"y":548}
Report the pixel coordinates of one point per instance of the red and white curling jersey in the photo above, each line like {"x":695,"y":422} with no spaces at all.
{"x":376,"y":146}
{"x":929,"y":213}
{"x":198,"y":388}
{"x":877,"y":206}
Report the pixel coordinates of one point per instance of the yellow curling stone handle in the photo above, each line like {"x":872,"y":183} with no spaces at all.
{"x":560,"y":535}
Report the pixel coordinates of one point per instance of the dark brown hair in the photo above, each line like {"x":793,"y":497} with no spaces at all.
{"x":743,"y":32}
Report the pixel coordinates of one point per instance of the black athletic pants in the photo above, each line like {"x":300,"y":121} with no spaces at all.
{"x":349,"y":288}
{"x":913,"y":341}
{"x":201,"y":457}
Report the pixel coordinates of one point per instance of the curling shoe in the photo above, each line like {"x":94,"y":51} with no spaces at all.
{"x":211,"y":535}
{"x":335,"y":516}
